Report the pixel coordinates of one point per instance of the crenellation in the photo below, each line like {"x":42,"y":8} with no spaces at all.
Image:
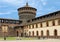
{"x":10,"y":21}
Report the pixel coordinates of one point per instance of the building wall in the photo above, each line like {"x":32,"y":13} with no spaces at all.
{"x":1,"y":33}
{"x":33,"y":28}
{"x":5,"y":30}
{"x":50,"y":25}
{"x":44,"y":29}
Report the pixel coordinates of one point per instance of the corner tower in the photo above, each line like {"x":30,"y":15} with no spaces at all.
{"x":26,"y":12}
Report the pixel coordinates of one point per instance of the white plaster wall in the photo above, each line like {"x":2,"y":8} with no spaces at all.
{"x":51,"y":30}
{"x":56,"y":22}
{"x":44,"y":24}
{"x":34,"y":25}
{"x":50,"y":23}
{"x":39,"y":25}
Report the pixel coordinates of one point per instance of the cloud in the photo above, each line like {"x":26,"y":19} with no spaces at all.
{"x":44,"y":2}
{"x":39,"y":4}
{"x":8,"y":12}
{"x":22,"y":2}
{"x":14,"y":2}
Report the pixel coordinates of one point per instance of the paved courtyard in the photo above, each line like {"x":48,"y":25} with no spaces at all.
{"x":45,"y":40}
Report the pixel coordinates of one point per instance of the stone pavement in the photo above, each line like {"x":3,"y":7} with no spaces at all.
{"x":47,"y":40}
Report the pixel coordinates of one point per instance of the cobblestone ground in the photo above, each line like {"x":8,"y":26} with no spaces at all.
{"x":48,"y":40}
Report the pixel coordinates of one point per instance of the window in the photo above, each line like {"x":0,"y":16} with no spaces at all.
{"x":47,"y":23}
{"x":53,"y":23}
{"x":37,"y":33}
{"x":55,"y":32}
{"x":32,"y":33}
{"x":17,"y":33}
{"x":47,"y":32}
{"x":41,"y":24}
{"x":59,"y":22}
{"x":33,"y":26}
{"x":42,"y":33}
{"x":29,"y":33}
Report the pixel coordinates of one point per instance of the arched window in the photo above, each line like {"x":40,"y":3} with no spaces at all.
{"x":32,"y":33}
{"x":41,"y":33}
{"x":55,"y":32}
{"x":36,"y":33}
{"x":17,"y":33}
{"x":29,"y":33}
{"x":47,"y":32}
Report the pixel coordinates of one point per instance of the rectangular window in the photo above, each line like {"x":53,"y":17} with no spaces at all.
{"x":59,"y":22}
{"x":41,"y":24}
{"x":33,"y":26}
{"x":36,"y":26}
{"x":47,"y":23}
{"x":53,"y":23}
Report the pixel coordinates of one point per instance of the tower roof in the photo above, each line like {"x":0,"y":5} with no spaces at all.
{"x":26,"y":6}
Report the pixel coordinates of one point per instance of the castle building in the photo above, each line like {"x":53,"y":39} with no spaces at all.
{"x":28,"y":25}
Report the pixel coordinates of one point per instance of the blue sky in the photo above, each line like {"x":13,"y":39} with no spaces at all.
{"x":8,"y":8}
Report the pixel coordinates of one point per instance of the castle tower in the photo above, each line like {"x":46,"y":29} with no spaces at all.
{"x":26,"y":12}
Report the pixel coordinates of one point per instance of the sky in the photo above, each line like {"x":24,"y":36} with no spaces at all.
{"x":8,"y":8}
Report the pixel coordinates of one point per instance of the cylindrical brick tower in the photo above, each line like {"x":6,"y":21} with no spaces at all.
{"x":26,"y":12}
